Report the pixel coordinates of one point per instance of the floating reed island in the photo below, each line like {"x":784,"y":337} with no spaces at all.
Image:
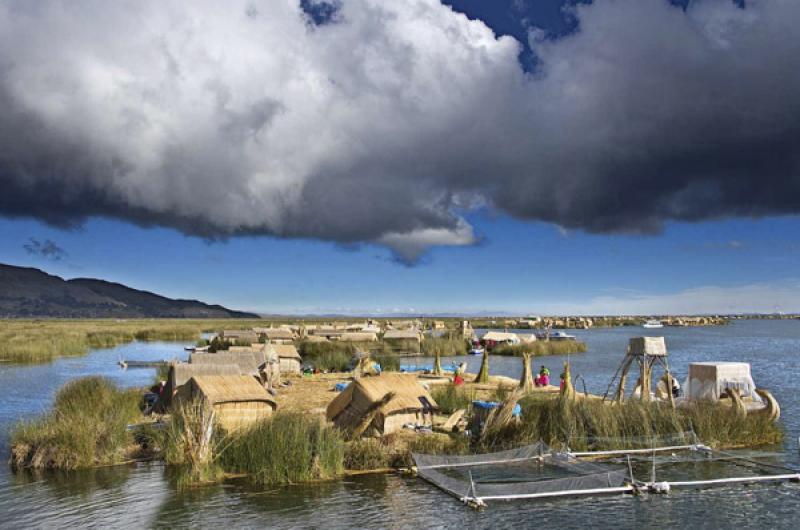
{"x":279,"y":410}
{"x":42,"y":340}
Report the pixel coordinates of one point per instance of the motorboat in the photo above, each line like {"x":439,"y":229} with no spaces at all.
{"x":561,"y":335}
{"x":653,"y":324}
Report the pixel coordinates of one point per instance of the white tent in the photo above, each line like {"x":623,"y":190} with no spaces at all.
{"x":708,"y":380}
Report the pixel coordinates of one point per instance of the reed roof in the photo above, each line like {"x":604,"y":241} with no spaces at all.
{"x":647,"y":346}
{"x":286,"y":351}
{"x":363,"y":336}
{"x":247,"y":361}
{"x":231,"y":389}
{"x":277,"y":333}
{"x":404,"y":334}
{"x":181,"y":373}
{"x":361,"y":395}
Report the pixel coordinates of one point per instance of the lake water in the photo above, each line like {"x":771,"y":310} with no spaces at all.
{"x":144,"y":495}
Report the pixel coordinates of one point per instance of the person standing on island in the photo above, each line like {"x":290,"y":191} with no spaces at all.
{"x":544,"y":376}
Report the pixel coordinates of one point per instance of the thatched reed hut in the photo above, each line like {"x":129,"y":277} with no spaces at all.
{"x":289,"y":358}
{"x":276,"y":335}
{"x":404,"y":340}
{"x":247,"y":361}
{"x":358,"y":337}
{"x":238,"y":400}
{"x":328,"y":333}
{"x":181,"y":373}
{"x":496,"y":338}
{"x":385,"y":403}
{"x":240,"y":336}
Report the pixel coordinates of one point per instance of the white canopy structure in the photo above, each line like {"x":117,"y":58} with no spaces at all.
{"x":499,"y":336}
{"x":708,"y":380}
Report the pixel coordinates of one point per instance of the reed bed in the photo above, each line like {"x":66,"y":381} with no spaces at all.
{"x":451,"y":398}
{"x":590,"y":423}
{"x":286,"y":449}
{"x":327,"y":356}
{"x":30,"y":341}
{"x":388,"y":361}
{"x":541,"y":348}
{"x":366,"y":454}
{"x":446,"y":346}
{"x":192,"y":441}
{"x":86,"y":427}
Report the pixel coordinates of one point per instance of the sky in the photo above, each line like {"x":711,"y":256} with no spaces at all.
{"x":364,"y":157}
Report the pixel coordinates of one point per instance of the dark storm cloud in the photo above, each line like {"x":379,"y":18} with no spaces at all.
{"x":46,"y":249}
{"x":221,"y":119}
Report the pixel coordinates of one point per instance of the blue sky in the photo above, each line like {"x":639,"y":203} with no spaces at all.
{"x":518,"y":267}
{"x":415,"y":161}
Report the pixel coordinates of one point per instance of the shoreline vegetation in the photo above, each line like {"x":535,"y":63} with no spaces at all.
{"x":37,"y":341}
{"x":32,"y":341}
{"x":298,"y":446}
{"x":541,"y":348}
{"x":43,"y":340}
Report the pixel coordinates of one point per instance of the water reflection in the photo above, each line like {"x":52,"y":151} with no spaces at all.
{"x":79,"y":483}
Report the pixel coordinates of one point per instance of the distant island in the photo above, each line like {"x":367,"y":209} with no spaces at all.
{"x":31,"y":293}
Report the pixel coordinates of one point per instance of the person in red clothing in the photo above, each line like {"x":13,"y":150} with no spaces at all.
{"x":458,"y":380}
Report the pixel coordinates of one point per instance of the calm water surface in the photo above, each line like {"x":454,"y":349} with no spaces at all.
{"x":144,"y":495}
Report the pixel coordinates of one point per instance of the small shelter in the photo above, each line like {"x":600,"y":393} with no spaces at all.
{"x":406,"y":340}
{"x":238,"y":400}
{"x":710,"y":380}
{"x":495,"y":338}
{"x":181,"y":373}
{"x":361,"y":336}
{"x":646,"y":352}
{"x":276,"y":335}
{"x":240,"y":336}
{"x":386,"y":402}
{"x":247,"y":361}
{"x":327,"y":332}
{"x":289,"y":358}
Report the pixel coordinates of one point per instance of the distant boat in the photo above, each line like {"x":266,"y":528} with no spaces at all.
{"x":653,"y":324}
{"x":476,"y":351}
{"x":561,"y":335}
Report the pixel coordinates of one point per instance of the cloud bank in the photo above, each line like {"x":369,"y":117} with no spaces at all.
{"x":389,"y":121}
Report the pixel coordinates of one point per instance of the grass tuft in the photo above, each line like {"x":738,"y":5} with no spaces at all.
{"x":286,"y":449}
{"x":450,"y":398}
{"x":87,"y":426}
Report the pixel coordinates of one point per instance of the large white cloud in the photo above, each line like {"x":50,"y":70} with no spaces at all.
{"x":225,"y":118}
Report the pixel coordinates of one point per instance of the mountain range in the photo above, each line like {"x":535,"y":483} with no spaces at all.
{"x":27,"y":292}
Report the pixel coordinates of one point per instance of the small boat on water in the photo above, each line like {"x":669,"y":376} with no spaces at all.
{"x":476,"y":351}
{"x":653,"y":324}
{"x":561,"y":335}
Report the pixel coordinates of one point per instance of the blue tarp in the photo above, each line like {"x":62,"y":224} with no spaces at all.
{"x":416,"y":368}
{"x":340,"y":386}
{"x":426,"y":368}
{"x":494,"y":404}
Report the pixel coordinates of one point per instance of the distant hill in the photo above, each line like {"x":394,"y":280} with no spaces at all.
{"x":29,"y":292}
